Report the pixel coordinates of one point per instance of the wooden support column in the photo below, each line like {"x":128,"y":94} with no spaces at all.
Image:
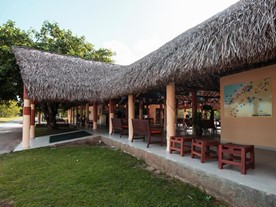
{"x":130,"y":115}
{"x":111,"y":115}
{"x":170,"y":104}
{"x":69,"y":116}
{"x":76,"y":112}
{"x":87,"y":115}
{"x":73,"y":115}
{"x":141,"y":106}
{"x":95,"y":116}
{"x":161,"y":115}
{"x":32,"y":120}
{"x":194,"y":107}
{"x":26,"y":121}
{"x":81,"y":111}
{"x":39,"y":117}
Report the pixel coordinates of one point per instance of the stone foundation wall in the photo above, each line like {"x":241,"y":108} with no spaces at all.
{"x":223,"y":189}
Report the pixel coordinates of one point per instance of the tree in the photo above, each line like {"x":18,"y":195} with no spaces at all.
{"x":54,"y":39}
{"x":9,"y":109}
{"x":49,"y":38}
{"x":10,"y":79}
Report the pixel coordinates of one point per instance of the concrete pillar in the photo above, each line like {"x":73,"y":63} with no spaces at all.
{"x":81,"y":111}
{"x":130,"y":115}
{"x":73,"y":115}
{"x":32,"y":120}
{"x":95,"y":116}
{"x":69,"y":115}
{"x":26,"y":121}
{"x":141,"y":106}
{"x":161,"y":114}
{"x":194,"y":108}
{"x":76,"y":112}
{"x":87,"y":115}
{"x":39,"y":117}
{"x":170,"y":104}
{"x":111,"y":115}
{"x":165,"y":117}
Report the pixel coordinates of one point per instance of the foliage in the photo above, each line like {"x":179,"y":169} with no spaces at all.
{"x":50,"y":38}
{"x":89,"y":176}
{"x":9,"y":109}
{"x":197,"y":119}
{"x":10,"y":80}
{"x":54,"y":39}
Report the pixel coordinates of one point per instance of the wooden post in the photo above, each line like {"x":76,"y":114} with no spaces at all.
{"x":194,"y":108}
{"x":170,"y":106}
{"x":87,"y":115}
{"x":141,"y":106}
{"x":69,"y":115}
{"x":39,"y":117}
{"x":73,"y":115}
{"x":161,"y":115}
{"x":130,"y":115}
{"x":26,"y":121}
{"x":32,"y":120}
{"x":95,"y":116}
{"x":81,"y":111}
{"x":111,"y":115}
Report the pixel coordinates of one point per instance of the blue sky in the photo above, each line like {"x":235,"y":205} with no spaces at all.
{"x":131,"y":28}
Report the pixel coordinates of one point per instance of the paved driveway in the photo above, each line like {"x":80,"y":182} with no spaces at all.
{"x":10,"y":135}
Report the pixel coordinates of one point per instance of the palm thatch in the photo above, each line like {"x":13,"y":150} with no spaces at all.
{"x":239,"y":38}
{"x":49,"y":76}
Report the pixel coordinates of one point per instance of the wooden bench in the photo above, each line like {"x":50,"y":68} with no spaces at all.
{"x":179,"y":144}
{"x":236,"y":155}
{"x":117,"y":125}
{"x":141,"y":130}
{"x":202,"y":149}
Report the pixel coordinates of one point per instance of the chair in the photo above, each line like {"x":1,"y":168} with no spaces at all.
{"x":141,"y":130}
{"x":187,"y":123}
{"x":117,"y":125}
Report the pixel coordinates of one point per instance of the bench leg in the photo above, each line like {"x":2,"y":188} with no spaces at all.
{"x":252,"y":158}
{"x":220,"y":157}
{"x":243,"y":162}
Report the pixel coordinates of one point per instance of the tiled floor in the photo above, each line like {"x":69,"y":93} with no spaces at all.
{"x":263,"y":177}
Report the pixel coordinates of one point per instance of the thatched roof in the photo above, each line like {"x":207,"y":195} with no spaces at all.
{"x":61,"y":77}
{"x":239,"y":38}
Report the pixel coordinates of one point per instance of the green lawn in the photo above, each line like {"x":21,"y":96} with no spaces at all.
{"x":89,"y":176}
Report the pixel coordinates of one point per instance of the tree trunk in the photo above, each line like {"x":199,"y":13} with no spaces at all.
{"x":50,"y":111}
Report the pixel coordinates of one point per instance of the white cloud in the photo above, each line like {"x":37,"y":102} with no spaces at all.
{"x":126,"y":55}
{"x":178,"y":17}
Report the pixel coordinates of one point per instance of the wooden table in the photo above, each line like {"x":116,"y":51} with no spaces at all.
{"x":201,"y":148}
{"x":235,"y":154}
{"x":179,"y":144}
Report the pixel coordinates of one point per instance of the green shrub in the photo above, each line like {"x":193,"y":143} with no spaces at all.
{"x":9,"y":109}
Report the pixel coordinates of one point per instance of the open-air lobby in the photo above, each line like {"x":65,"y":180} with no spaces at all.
{"x":199,"y":108}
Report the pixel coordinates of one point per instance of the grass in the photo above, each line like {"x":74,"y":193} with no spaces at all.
{"x":4,"y":119}
{"x":89,"y":176}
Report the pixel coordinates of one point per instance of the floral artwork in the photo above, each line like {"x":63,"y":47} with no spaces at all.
{"x":249,"y":99}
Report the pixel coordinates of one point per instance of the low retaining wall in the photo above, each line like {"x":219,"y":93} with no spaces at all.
{"x":226,"y":190}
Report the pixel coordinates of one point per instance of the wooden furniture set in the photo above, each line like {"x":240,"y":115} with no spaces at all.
{"x":206,"y":149}
{"x":209,"y":149}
